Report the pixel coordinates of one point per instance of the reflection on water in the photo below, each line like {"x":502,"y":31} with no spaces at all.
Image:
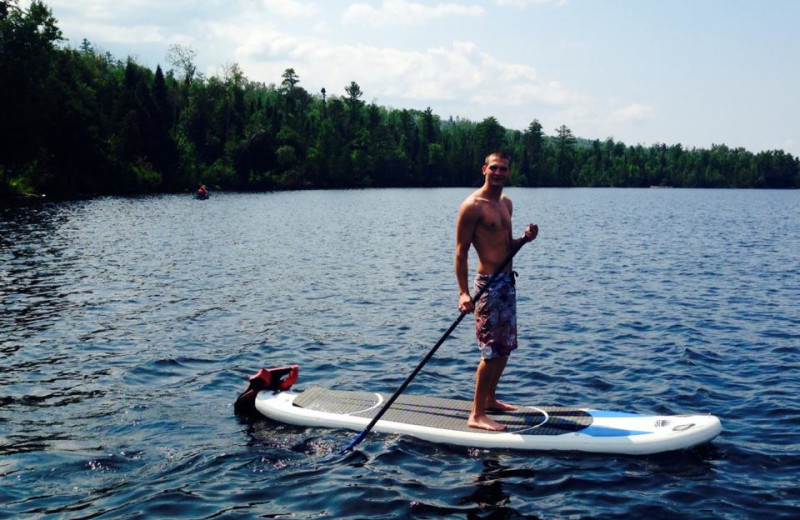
{"x":128,"y":327}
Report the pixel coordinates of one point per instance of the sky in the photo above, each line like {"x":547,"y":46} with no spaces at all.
{"x":690,"y":72}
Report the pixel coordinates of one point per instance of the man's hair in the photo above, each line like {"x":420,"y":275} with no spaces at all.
{"x":497,"y":153}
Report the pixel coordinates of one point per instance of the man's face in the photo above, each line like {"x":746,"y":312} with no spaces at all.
{"x":496,"y":171}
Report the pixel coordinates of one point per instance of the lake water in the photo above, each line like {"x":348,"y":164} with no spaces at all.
{"x":129,"y":326}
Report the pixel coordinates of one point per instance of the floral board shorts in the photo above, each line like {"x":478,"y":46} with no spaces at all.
{"x":496,"y":316}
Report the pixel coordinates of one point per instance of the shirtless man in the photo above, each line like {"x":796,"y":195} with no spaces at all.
{"x":484,"y":221}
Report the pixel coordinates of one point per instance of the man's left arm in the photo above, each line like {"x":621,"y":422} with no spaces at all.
{"x":530,"y":232}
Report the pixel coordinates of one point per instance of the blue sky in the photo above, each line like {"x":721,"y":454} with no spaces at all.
{"x":695,"y":72}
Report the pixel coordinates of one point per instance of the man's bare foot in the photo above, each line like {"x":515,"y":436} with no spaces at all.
{"x":500,"y":406}
{"x":485,"y":423}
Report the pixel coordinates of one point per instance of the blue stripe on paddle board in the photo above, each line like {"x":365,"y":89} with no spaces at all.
{"x":607,"y":413}
{"x":604,"y":431}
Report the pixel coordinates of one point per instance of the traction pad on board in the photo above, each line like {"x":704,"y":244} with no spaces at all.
{"x":447,"y":414}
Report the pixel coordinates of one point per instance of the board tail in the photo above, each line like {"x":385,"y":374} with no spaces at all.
{"x":276,"y":379}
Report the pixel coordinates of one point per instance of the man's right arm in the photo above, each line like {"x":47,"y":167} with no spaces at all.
{"x":465,"y":228}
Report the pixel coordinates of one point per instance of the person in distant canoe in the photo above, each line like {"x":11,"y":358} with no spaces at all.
{"x":202,"y":193}
{"x":484,"y":221}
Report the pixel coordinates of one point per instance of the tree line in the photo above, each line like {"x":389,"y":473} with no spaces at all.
{"x":77,"y":121}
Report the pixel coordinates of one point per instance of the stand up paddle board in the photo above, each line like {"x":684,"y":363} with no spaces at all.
{"x":443,"y":420}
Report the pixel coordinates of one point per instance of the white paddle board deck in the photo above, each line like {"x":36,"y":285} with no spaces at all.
{"x":529,"y":428}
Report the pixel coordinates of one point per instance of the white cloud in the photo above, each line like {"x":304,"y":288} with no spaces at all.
{"x":129,"y":34}
{"x":290,"y":8}
{"x":131,"y":12}
{"x":634,"y":112}
{"x":175,"y":12}
{"x":522,"y":4}
{"x":401,"y":12}
{"x":322,"y":28}
{"x":455,"y":73}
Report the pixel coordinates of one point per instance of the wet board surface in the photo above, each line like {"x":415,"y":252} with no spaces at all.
{"x":444,"y":420}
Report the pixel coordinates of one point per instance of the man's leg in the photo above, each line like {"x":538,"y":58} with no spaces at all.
{"x":486,"y":377}
{"x":491,"y":398}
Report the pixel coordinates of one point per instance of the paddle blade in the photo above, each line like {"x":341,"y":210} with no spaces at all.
{"x":355,"y":441}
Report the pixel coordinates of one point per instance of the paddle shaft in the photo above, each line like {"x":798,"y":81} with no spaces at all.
{"x":430,"y":354}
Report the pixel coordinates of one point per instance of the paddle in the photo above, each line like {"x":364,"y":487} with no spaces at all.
{"x":399,"y":391}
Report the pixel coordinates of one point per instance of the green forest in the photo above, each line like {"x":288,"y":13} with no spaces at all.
{"x":78,"y":122}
